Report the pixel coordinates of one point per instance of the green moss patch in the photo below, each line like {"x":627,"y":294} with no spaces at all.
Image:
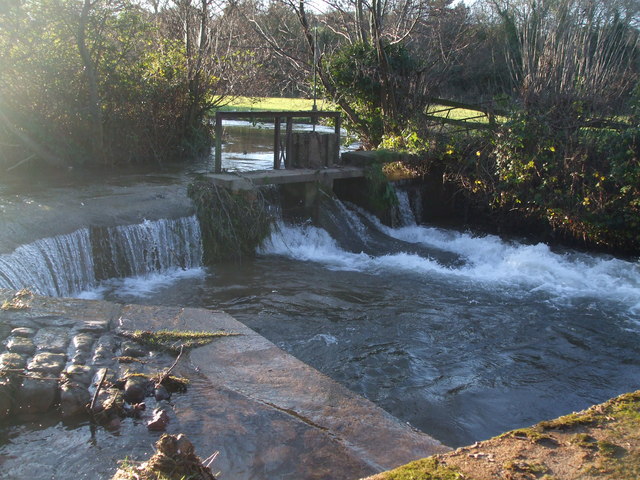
{"x":532,"y":434}
{"x":174,"y":340}
{"x":233,"y":224}
{"x":172,"y":383}
{"x":426,"y":469}
{"x":127,"y":359}
{"x":583,"y":440}
{"x":525,"y":467}
{"x":599,"y":443}
{"x":19,"y":301}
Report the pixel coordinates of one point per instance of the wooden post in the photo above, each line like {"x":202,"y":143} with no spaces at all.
{"x":336,"y":153}
{"x":276,"y":144}
{"x":218,"y":158}
{"x":287,"y":158}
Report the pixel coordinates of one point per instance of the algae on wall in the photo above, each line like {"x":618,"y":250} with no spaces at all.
{"x":233,"y":224}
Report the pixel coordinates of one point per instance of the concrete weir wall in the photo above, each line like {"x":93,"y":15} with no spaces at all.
{"x":269,"y":414}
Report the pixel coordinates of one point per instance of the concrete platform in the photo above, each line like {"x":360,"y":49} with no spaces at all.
{"x":250,"y":180}
{"x":268,"y":414}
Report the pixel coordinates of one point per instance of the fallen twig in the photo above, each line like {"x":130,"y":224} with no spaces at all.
{"x":95,"y":394}
{"x":166,"y":374}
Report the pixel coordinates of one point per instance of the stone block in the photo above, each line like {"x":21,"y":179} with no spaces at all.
{"x":93,"y":326}
{"x":22,"y":345}
{"x":83,"y":341}
{"x":7,"y":397}
{"x":132,"y":349}
{"x":52,"y":339}
{"x":74,"y":399}
{"x":12,"y":361}
{"x":49,"y":364}
{"x":23,"y":332}
{"x":79,"y":374}
{"x":36,"y":395}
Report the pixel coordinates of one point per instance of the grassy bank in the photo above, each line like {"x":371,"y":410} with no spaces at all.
{"x":600,"y":443}
{"x":265,"y":104}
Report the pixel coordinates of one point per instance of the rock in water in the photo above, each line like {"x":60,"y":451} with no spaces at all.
{"x":159,"y":421}
{"x":36,"y":395}
{"x":74,"y":399}
{"x":7,"y":394}
{"x":135,"y":389}
{"x":161,"y":393}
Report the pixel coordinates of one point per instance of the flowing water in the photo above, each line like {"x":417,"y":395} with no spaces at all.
{"x":462,"y":336}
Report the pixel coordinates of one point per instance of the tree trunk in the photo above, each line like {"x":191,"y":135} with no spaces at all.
{"x":90,"y":71}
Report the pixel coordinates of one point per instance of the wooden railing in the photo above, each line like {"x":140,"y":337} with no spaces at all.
{"x":280,"y":154}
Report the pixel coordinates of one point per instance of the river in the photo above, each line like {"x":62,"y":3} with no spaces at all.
{"x":463,"y":336}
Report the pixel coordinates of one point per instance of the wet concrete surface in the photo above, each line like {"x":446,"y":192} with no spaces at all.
{"x":269,"y":415}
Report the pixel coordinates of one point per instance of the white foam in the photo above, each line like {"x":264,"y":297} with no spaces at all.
{"x":311,"y":244}
{"x":143,"y":285}
{"x":488,"y":261}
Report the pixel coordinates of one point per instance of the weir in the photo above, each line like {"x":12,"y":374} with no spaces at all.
{"x":65,"y":265}
{"x":463,"y":336}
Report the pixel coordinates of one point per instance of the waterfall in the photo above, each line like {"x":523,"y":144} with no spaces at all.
{"x":404,"y":211}
{"x":67,"y":264}
{"x":55,"y":266}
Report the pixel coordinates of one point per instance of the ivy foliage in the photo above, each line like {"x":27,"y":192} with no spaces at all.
{"x":355,"y":72}
{"x":233,"y":224}
{"x":381,"y":194}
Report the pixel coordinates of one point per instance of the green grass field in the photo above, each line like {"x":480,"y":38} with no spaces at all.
{"x":263,"y":104}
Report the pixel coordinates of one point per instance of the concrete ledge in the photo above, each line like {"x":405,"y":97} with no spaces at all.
{"x":269,"y":414}
{"x":250,"y":180}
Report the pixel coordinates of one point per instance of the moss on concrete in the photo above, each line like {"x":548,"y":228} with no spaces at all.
{"x":233,"y":224}
{"x":174,"y":340}
{"x":19,"y":301}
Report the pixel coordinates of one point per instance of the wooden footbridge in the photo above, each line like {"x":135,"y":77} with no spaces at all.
{"x":310,"y":158}
{"x":314,"y":158}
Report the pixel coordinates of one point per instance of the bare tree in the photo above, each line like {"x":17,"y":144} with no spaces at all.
{"x":575,"y":59}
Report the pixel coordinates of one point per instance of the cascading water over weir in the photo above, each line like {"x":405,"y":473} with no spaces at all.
{"x":444,"y":329}
{"x":65,"y":265}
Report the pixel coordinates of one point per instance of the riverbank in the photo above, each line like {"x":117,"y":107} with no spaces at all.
{"x":599,"y":443}
{"x":268,"y":414}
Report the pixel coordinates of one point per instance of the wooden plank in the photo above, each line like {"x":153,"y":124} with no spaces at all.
{"x":288,"y":148}
{"x":276,"y":144}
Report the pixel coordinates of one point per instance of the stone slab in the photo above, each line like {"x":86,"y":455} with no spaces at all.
{"x":54,"y":339}
{"x":354,"y":430}
{"x":251,"y":180}
{"x":47,"y":363}
{"x":269,"y":414}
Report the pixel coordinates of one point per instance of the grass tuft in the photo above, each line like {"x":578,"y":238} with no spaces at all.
{"x":19,"y":301}
{"x":174,"y":340}
{"x":426,"y":469}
